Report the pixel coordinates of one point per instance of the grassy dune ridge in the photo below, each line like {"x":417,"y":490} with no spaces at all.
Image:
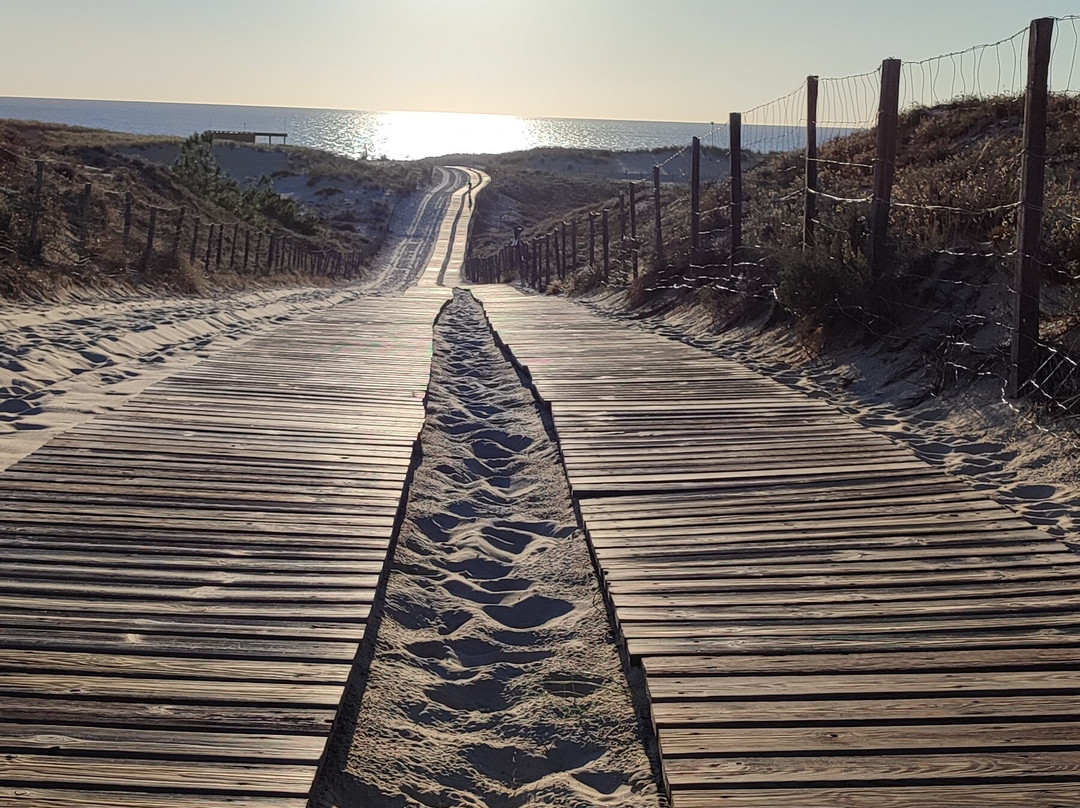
{"x":320,"y":201}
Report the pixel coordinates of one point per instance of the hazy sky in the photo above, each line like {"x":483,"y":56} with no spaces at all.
{"x":682,"y":60}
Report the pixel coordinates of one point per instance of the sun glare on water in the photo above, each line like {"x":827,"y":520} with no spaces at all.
{"x":410,"y":135}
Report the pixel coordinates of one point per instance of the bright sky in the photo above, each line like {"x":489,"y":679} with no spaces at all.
{"x":677,"y":60}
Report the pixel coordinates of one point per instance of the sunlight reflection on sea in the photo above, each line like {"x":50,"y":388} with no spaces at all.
{"x":394,"y":135}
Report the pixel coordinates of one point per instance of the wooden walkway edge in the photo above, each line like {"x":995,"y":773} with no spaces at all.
{"x":823,"y":619}
{"x":185,"y":582}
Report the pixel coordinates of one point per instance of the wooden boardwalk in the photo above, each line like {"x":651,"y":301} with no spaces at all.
{"x":184,"y":582}
{"x":824,"y":620}
{"x":444,"y":267}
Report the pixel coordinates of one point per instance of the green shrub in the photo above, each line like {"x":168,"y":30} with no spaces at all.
{"x":817,"y":284}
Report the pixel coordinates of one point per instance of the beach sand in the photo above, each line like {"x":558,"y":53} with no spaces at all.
{"x":494,"y":680}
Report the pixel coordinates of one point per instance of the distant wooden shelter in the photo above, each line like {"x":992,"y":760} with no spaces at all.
{"x":246,"y":137}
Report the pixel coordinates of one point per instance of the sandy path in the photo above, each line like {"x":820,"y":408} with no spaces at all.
{"x":494,"y":681}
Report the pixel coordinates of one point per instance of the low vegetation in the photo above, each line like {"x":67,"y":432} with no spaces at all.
{"x":70,"y":240}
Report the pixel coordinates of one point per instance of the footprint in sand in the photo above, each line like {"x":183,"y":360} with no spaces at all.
{"x":532,"y":612}
{"x":511,"y":765}
{"x":512,"y":443}
{"x":484,"y":695}
{"x":507,"y":539}
{"x":437,"y":527}
{"x":477,"y":568}
{"x":474,"y":652}
{"x":571,"y":685}
{"x":460,"y":589}
{"x":601,"y":782}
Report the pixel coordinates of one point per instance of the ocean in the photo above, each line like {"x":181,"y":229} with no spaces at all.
{"x":391,"y":135}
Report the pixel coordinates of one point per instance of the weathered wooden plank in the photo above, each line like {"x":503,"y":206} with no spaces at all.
{"x":900,"y":685}
{"x":190,"y":667}
{"x":274,"y":779}
{"x":26,"y":797}
{"x":811,"y":663}
{"x":967,"y":795}
{"x":690,"y":772}
{"x":141,"y":743}
{"x":178,"y":691}
{"x":825,"y":712}
{"x":958,"y":738}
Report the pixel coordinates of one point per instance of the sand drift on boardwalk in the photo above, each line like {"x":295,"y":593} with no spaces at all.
{"x":495,"y":680}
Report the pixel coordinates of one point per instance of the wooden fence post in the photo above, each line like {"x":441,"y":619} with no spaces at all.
{"x":247,"y":247}
{"x":196,"y":226}
{"x":32,"y":247}
{"x":565,"y":263}
{"x":884,"y":164}
{"x":659,"y":258}
{"x":547,"y":258}
{"x":220,"y":244}
{"x":1025,"y":338}
{"x":695,"y":196}
{"x":573,"y":244}
{"x":633,"y":226}
{"x":810,"y":199}
{"x":735,"y":157}
{"x":150,"y":232}
{"x":607,"y":251}
{"x":258,"y":249}
{"x":128,"y":202}
{"x":84,"y":218}
{"x":232,"y":245}
{"x":555,"y":252}
{"x":209,"y":249}
{"x":592,"y":238}
{"x":178,"y":235}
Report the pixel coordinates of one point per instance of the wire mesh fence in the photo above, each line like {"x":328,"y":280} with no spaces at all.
{"x":70,"y":216}
{"x":801,"y":225}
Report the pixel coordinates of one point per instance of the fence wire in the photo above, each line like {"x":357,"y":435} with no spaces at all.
{"x":949,"y":289}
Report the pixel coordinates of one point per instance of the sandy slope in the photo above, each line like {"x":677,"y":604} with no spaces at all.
{"x":495,"y":681}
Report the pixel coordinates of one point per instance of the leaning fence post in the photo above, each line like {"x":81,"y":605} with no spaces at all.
{"x":810,"y":200}
{"x":1025,"y":338}
{"x":35,"y":210}
{"x":735,"y":158}
{"x":695,"y":196}
{"x":884,"y":163}
{"x":633,"y":226}
{"x":659,"y":262}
